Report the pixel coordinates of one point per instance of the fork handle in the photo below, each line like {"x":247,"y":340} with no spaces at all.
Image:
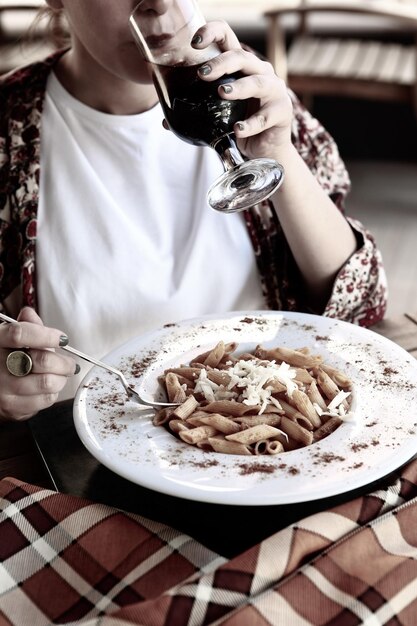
{"x":94,"y":361}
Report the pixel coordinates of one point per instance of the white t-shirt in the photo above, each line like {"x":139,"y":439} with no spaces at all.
{"x":126,"y":240}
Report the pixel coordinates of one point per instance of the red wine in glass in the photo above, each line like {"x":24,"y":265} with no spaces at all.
{"x":193,"y":108}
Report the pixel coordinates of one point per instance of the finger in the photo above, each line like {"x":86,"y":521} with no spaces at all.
{"x":232,"y":61}
{"x":271,"y":104}
{"x":32,"y":385}
{"x":46,"y":361}
{"x":21,"y":397}
{"x":21,"y":407}
{"x":268,"y":116}
{"x":263,"y":87}
{"x":27,"y":314}
{"x":43,"y":362}
{"x":216,"y":32}
{"x":36,"y":385}
{"x":30,"y":335}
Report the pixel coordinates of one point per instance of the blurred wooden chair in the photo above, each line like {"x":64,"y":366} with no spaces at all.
{"x":315,"y":62}
{"x":21,"y":42}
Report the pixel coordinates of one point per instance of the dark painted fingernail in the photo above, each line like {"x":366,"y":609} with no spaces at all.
{"x":77,"y":369}
{"x":63,"y":340}
{"x":227,"y":88}
{"x":196,"y":39}
{"x":205,"y":69}
{"x":240,"y":125}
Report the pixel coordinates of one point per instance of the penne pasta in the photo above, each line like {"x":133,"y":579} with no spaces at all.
{"x":266,"y":403}
{"x":228,"y":447}
{"x":276,"y":386}
{"x":327,"y":428}
{"x":327,"y":385}
{"x":291,"y":411}
{"x":254,"y":434}
{"x":221,"y":423}
{"x":337,"y":376}
{"x":315,"y":396}
{"x":195,"y":421}
{"x":302,"y":421}
{"x":304,"y":405}
{"x":330,"y":389}
{"x":292,"y":357}
{"x":254,"y":420}
{"x":190,"y":373}
{"x":213,"y":357}
{"x":195,"y":435}
{"x":229,"y":407}
{"x":177,"y":425}
{"x":174,"y":390}
{"x":296,"y":432}
{"x":274,"y":447}
{"x":185,"y":409}
{"x":268,"y":447}
{"x":219,"y":377}
{"x":303,"y":376}
{"x":162,"y":417}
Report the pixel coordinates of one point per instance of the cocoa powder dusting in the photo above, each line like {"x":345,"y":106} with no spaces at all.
{"x":253,"y":320}
{"x":204,"y":464}
{"x":356,"y":447}
{"x":249,"y":468}
{"x":139,"y":366}
{"x":324,"y":458}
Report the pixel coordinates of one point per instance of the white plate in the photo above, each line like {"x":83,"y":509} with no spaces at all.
{"x":381,"y":439}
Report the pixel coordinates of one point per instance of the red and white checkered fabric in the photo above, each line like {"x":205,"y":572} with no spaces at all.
{"x":65,"y":560}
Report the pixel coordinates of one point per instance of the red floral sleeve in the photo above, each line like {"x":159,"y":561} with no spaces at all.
{"x":359,"y":293}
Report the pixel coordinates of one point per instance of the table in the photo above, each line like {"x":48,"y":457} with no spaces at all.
{"x":47,"y":451}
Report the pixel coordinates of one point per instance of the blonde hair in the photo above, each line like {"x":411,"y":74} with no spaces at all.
{"x":53,"y":24}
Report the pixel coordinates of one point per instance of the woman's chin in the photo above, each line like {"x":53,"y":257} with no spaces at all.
{"x":135,"y":67}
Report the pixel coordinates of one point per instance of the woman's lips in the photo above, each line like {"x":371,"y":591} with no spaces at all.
{"x":158,"y":41}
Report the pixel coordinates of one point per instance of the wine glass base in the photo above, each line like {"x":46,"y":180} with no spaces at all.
{"x":245,"y":185}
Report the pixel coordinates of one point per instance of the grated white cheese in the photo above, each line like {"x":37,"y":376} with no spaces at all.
{"x":211,"y":390}
{"x":335,"y":408}
{"x":337,"y":400}
{"x":249,"y":383}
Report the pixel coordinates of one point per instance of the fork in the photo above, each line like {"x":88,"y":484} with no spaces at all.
{"x":130,"y":390}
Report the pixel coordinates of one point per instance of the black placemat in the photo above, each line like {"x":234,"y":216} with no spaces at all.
{"x":226,"y":529}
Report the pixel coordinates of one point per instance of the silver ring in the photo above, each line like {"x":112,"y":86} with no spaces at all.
{"x":19,"y":363}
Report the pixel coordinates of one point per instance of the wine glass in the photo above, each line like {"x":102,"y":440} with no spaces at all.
{"x":193,"y":109}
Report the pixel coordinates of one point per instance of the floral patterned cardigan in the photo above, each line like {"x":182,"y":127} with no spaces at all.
{"x":359,"y":290}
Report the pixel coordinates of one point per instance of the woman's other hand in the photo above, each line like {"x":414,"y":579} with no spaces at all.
{"x":23,"y":396}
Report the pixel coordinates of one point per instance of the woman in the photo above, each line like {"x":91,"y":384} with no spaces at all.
{"x":105,"y":231}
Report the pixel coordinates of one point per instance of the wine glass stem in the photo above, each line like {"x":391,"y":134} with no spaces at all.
{"x":228,"y":151}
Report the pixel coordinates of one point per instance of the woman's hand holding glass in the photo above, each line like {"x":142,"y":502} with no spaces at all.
{"x":23,"y":396}
{"x":266,"y":132}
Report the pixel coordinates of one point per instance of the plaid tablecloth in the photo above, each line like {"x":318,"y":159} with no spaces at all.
{"x":65,"y":560}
